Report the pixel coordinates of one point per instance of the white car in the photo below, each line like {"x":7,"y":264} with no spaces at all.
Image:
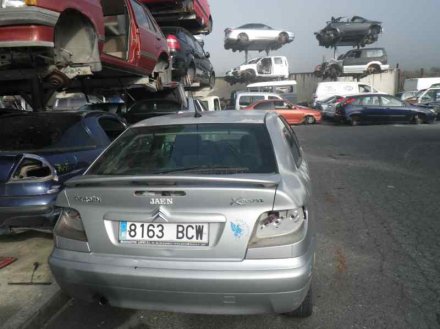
{"x":256,"y":37}
{"x":272,"y":67}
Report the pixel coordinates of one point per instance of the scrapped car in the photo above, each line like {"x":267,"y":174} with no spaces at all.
{"x":170,"y":100}
{"x":59,"y":40}
{"x":357,"y":61}
{"x":327,"y":106}
{"x":190,"y":63}
{"x":357,"y":31}
{"x":39,"y":151}
{"x":73,"y":101}
{"x":194,"y":15}
{"x":380,"y":108}
{"x":287,"y":89}
{"x":204,"y":214}
{"x":256,"y":37}
{"x":293,"y":114}
{"x":260,"y":68}
{"x":345,"y":88}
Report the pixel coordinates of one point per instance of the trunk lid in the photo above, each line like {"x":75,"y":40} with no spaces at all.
{"x":225,"y":209}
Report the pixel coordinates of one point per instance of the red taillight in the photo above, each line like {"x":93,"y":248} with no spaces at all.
{"x":173,"y":43}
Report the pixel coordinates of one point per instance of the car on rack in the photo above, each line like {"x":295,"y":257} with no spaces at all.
{"x":293,"y":114}
{"x":256,"y":36}
{"x":357,"y":61}
{"x":39,"y":151}
{"x":380,"y":108}
{"x":190,"y":63}
{"x":194,"y":15}
{"x":59,"y":40}
{"x":357,"y":31}
{"x":181,"y":209}
{"x":260,"y":68}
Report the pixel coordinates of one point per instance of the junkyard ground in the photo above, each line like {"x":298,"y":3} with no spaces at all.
{"x":376,"y":201}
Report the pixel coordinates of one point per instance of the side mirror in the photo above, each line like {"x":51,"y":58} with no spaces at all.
{"x":207,"y":54}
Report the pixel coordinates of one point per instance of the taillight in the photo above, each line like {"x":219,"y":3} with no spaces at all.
{"x":342,"y":102}
{"x":173,"y":43}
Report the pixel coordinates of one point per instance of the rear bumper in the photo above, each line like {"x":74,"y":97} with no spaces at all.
{"x":28,"y":16}
{"x":27,"y":27}
{"x":36,"y":213}
{"x":246,"y":287}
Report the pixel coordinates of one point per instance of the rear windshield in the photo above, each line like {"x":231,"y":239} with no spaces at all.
{"x":203,"y":149}
{"x":35,"y":132}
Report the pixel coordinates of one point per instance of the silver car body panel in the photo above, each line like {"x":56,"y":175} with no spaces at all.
{"x":230,"y":275}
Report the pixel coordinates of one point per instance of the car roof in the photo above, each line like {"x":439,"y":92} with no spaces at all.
{"x":254,"y":93}
{"x":272,"y":83}
{"x":206,"y":118}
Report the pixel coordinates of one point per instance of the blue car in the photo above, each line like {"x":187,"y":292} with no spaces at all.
{"x":39,"y":151}
{"x":380,"y":108}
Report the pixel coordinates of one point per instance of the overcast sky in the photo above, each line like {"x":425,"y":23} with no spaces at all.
{"x":411,"y":29}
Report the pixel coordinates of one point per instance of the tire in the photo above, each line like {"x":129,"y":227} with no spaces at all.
{"x":212,"y":80}
{"x":283,"y":38}
{"x":243,"y":38}
{"x":250,"y":75}
{"x":417,"y":119}
{"x":209,"y":26}
{"x":354,"y":120}
{"x":373,"y":69}
{"x":305,"y":309}
{"x":309,"y":120}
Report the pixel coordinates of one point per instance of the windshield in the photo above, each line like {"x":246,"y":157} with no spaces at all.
{"x":201,"y":149}
{"x":35,"y":132}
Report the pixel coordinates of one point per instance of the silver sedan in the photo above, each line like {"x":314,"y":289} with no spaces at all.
{"x":199,"y":214}
{"x":256,"y":37}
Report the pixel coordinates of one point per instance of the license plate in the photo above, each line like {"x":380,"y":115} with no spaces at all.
{"x":164,"y":233}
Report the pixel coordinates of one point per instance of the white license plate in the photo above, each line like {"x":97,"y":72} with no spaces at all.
{"x":164,"y":233}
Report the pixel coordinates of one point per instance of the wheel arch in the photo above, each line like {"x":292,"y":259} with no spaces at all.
{"x":74,"y":33}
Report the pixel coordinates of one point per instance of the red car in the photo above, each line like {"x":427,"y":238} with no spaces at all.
{"x":58,"y":40}
{"x":294,"y":114}
{"x":194,"y":15}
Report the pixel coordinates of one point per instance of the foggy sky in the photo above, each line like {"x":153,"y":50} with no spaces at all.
{"x":411,"y":29}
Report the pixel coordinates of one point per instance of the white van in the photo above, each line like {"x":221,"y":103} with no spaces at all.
{"x":284,"y":88}
{"x":211,"y":103}
{"x":243,"y":99}
{"x":261,"y":67}
{"x":342,"y":88}
{"x":419,"y":83}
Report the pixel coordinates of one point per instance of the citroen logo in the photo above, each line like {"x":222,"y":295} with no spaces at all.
{"x":159,"y":216}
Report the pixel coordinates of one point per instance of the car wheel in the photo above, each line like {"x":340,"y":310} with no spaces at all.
{"x":283,"y":38}
{"x":309,"y":120}
{"x":212,"y":80}
{"x":209,"y":26}
{"x":305,"y":309}
{"x":354,"y":120}
{"x":243,"y":38}
{"x":250,"y":75}
{"x":373,"y":69}
{"x":417,"y":119}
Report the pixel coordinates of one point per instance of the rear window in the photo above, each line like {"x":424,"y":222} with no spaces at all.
{"x":35,"y":132}
{"x":203,"y":149}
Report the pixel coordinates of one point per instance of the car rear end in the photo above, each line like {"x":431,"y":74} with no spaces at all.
{"x":202,"y":223}
{"x":37,"y":153}
{"x":179,"y":51}
{"x":25,"y":25}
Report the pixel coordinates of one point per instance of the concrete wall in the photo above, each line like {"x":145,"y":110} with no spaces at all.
{"x":386,"y":82}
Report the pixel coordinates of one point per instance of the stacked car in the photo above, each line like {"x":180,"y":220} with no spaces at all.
{"x":356,"y":32}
